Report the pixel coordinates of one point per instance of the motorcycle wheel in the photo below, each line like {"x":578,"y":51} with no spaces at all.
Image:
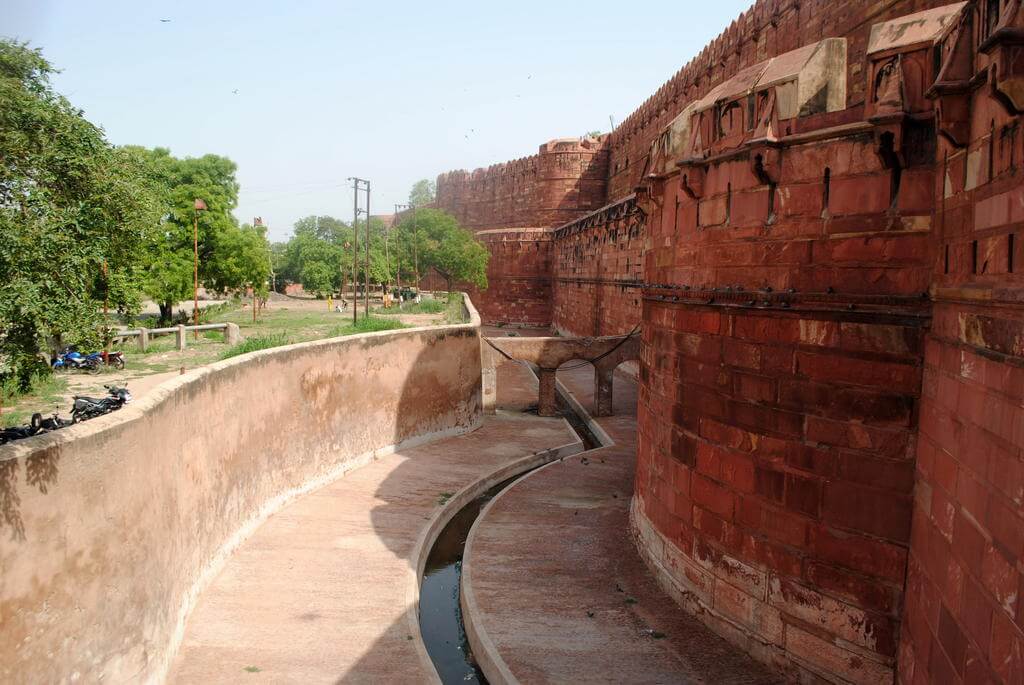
{"x":118,"y":363}
{"x":93,"y":369}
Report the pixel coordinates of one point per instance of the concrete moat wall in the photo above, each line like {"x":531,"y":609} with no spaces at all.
{"x":109,"y":529}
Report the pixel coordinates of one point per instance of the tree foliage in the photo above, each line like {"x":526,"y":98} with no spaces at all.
{"x":230,"y":257}
{"x":423,"y":192}
{"x":319,"y":255}
{"x":70,"y":204}
{"x":435,"y":240}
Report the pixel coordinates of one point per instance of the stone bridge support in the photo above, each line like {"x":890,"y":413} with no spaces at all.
{"x":547,"y":354}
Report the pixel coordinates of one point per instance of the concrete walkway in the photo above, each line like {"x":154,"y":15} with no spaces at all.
{"x":555,"y":590}
{"x":320,"y":593}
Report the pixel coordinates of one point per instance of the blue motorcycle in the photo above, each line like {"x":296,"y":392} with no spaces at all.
{"x":70,"y":359}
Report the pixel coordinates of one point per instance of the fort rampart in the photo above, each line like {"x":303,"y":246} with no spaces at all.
{"x":817,"y":224}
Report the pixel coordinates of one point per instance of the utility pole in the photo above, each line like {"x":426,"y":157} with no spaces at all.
{"x":256,"y":222}
{"x":366,"y":272}
{"x":355,"y":246}
{"x":416,"y":247}
{"x":106,"y":310}
{"x":400,"y":208}
{"x":197,"y":206}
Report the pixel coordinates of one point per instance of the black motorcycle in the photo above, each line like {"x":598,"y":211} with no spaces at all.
{"x":51,"y":423}
{"x":91,"y":407}
{"x":17,"y":433}
{"x":37,"y":426}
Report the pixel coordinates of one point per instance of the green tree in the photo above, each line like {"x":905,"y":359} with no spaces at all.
{"x":71,"y":207}
{"x":434,"y":239}
{"x":243,"y":258}
{"x":423,"y":192}
{"x":321,"y":250}
{"x":170,"y":249}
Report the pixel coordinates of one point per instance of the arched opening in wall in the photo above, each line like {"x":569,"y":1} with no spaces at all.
{"x":728,"y":203}
{"x":626,"y":383}
{"x":579,"y":377}
{"x":826,"y":190}
{"x":991,"y":150}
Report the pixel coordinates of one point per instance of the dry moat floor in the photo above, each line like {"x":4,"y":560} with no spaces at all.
{"x":320,"y":593}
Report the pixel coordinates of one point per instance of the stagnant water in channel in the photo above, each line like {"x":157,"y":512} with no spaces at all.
{"x":440,"y":610}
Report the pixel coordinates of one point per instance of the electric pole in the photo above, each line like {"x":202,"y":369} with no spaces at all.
{"x":355,"y":246}
{"x":416,"y":248}
{"x":357,"y":185}
{"x":366,"y":272}
{"x":197,"y":206}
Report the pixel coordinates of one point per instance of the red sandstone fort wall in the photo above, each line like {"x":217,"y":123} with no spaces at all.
{"x":767,"y":29}
{"x":598,"y":269}
{"x":565,"y":180}
{"x":831,"y":408}
{"x":964,"y":611}
{"x":519,"y":288}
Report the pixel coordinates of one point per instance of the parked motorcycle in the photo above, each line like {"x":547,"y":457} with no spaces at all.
{"x":70,"y":359}
{"x":37,"y":426}
{"x":115,"y":359}
{"x":17,"y":433}
{"x":51,"y":423}
{"x":91,"y":407}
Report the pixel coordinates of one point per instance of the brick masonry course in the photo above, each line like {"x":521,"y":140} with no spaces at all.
{"x":830,"y":422}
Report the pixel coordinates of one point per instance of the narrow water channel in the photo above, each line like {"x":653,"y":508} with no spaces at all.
{"x":440,"y":610}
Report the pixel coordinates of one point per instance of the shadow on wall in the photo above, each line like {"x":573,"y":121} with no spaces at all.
{"x":41,"y":471}
{"x":150,"y":499}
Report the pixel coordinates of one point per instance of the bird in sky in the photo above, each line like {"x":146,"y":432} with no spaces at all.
{"x":235,"y":91}
{"x":165,"y":21}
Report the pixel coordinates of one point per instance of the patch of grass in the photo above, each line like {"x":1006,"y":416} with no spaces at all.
{"x":215,"y":336}
{"x":263,"y":342}
{"x":252,"y":669}
{"x":630,"y":600}
{"x":44,"y":389}
{"x":443,"y":498}
{"x":454,"y":312}
{"x":367,"y":325}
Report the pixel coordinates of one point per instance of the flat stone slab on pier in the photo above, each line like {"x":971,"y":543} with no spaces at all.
{"x":557,"y":584}
{"x":319,"y":593}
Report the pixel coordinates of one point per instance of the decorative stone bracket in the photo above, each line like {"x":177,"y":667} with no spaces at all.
{"x":1005,"y":47}
{"x":692,"y":174}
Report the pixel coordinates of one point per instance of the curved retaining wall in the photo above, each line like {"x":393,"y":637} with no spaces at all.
{"x":110,"y":529}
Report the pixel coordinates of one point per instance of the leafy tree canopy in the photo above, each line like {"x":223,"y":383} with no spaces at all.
{"x":423,"y":193}
{"x":434,"y":239}
{"x":230,"y":257}
{"x":70,"y":204}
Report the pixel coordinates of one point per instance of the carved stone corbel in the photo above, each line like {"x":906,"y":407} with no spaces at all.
{"x":951,"y":91}
{"x":691,"y":178}
{"x":1005,"y":47}
{"x":765,"y":162}
{"x":889,"y":113}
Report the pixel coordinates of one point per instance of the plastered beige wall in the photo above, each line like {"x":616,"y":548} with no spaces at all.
{"x":109,"y":529}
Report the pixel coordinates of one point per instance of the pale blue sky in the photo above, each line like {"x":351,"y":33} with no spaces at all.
{"x":388,"y":91}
